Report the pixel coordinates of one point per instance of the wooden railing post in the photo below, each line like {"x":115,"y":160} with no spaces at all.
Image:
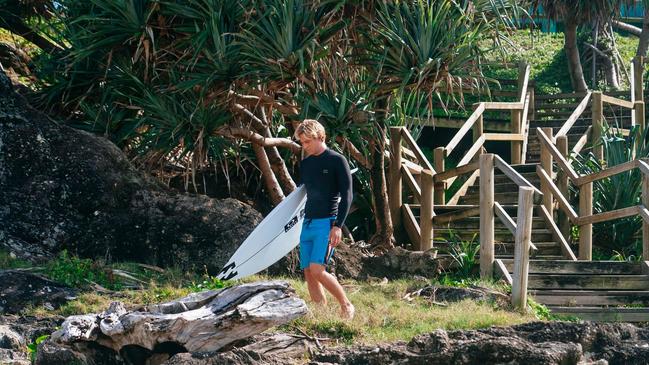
{"x":546,"y":164}
{"x":562,"y":184}
{"x":531,"y":111}
{"x":597,"y":108}
{"x":522,"y":247}
{"x":426,"y":212}
{"x":395,"y":188}
{"x":517,"y":146}
{"x":645,"y":225}
{"x":638,"y":112}
{"x":586,"y":230}
{"x":487,"y":251}
{"x":439,"y":154}
{"x":478,"y":126}
{"x":638,"y":87}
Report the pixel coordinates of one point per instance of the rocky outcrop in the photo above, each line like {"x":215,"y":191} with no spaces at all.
{"x":531,"y":343}
{"x":199,"y":323}
{"x":67,"y":189}
{"x":19,"y":289}
{"x":16,"y":333}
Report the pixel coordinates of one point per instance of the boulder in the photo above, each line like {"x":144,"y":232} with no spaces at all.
{"x":63,"y":188}
{"x":20,"y":289}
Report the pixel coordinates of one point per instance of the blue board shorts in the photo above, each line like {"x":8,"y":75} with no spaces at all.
{"x":314,"y":242}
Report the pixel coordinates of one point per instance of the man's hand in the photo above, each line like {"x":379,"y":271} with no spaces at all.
{"x":335,"y":236}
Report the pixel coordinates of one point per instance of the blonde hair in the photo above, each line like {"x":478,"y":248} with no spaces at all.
{"x":310,"y":128}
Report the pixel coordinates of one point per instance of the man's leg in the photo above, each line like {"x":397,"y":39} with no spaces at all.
{"x":332,"y":285}
{"x":315,"y":288}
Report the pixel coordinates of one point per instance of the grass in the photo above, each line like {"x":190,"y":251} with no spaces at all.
{"x":9,"y":261}
{"x":381,"y":312}
{"x":544,"y":52}
{"x":382,"y":315}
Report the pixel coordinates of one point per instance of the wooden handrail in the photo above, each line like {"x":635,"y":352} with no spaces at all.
{"x":582,"y":141}
{"x":561,"y":161}
{"x":457,"y":171}
{"x":607,"y":216}
{"x":556,"y":234}
{"x":513,"y":175}
{"x":644,"y":213}
{"x":504,"y":217}
{"x":508,"y":221}
{"x":617,"y":169}
{"x":411,"y":182}
{"x":615,"y":101}
{"x":563,"y":203}
{"x":525,"y":124}
{"x":525,"y":81}
{"x":423,"y":161}
{"x":472,"y":151}
{"x":498,"y":105}
{"x":504,"y":136}
{"x":574,"y":116}
{"x":412,"y":167}
{"x":465,"y":128}
{"x":643,"y":166}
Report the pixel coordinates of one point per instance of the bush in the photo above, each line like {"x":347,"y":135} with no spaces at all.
{"x":76,"y":272}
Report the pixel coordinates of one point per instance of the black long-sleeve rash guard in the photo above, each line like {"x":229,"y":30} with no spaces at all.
{"x":327,"y":177}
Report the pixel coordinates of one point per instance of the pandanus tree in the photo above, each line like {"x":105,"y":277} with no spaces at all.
{"x":194,"y":84}
{"x":576,"y":13}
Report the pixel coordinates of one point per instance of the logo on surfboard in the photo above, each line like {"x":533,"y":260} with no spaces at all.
{"x":293,"y":221}
{"x":229,"y":267}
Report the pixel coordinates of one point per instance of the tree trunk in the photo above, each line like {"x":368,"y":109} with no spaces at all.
{"x":16,"y":26}
{"x":382,"y":240}
{"x":278,"y":166}
{"x":200,"y":322}
{"x":270,"y":181}
{"x":643,"y":44}
{"x":572,"y":53}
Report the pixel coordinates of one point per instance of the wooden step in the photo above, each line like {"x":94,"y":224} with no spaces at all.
{"x":500,"y":235}
{"x":571,"y":298}
{"x":581,"y":267}
{"x":504,"y":187}
{"x":510,"y":197}
{"x":506,"y":249}
{"x":474,"y":223}
{"x":612,"y":314}
{"x":578,"y":281}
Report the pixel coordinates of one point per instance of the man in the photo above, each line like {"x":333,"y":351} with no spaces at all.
{"x":327,"y":178}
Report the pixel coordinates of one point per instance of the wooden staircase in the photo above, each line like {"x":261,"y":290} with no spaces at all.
{"x":590,"y":290}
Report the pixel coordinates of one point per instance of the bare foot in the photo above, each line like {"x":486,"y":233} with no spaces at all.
{"x":348,"y":311}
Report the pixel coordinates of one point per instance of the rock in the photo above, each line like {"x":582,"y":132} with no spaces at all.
{"x":14,"y":61}
{"x":200,"y":323}
{"x":63,"y":188}
{"x":399,"y":262}
{"x":19,"y":289}
{"x":10,"y":339}
{"x":445,"y":294}
{"x":18,"y":332}
{"x":530,"y":343}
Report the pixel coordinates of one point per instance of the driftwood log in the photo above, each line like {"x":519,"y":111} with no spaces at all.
{"x":200,"y":322}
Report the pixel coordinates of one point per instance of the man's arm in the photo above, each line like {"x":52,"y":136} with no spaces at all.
{"x":344,"y":178}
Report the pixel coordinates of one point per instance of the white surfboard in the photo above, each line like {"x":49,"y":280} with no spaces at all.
{"x":271,"y":240}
